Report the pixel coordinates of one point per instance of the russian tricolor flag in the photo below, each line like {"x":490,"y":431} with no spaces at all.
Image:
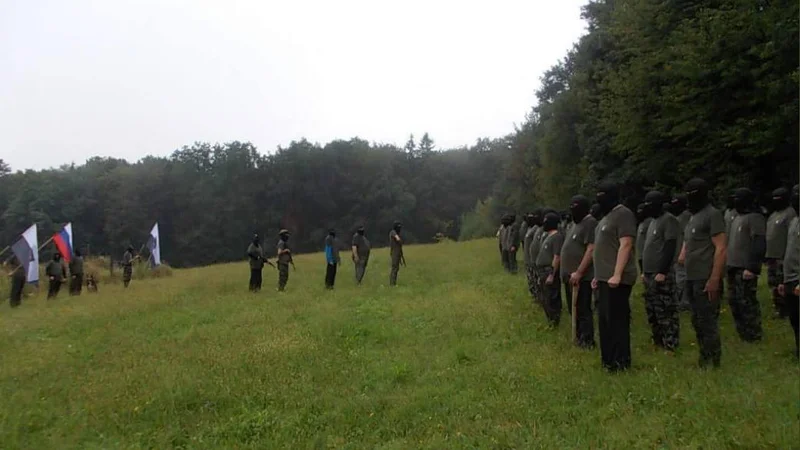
{"x":63,"y":241}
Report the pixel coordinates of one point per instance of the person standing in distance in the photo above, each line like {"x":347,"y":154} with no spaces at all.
{"x":614,"y":277}
{"x":332,"y":258}
{"x":18,"y":277}
{"x":746,"y":246}
{"x":361,"y":249}
{"x":284,"y":259}
{"x":256,"y":255}
{"x":513,"y":244}
{"x":530,"y":269}
{"x":641,"y":232}
{"x":790,"y":288}
{"x":549,"y":262}
{"x":127,"y":266}
{"x":658,"y":260}
{"x":703,"y":255}
{"x":395,"y":252}
{"x":76,"y":273}
{"x":56,"y":273}
{"x":576,"y":268}
{"x":777,"y":233}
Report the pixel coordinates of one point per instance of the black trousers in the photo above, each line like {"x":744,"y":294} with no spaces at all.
{"x":792,"y":308}
{"x":504,"y":256}
{"x":584,"y":320}
{"x":53,"y":288}
{"x":17,"y":287}
{"x":512,"y":261}
{"x":255,"y":280}
{"x":551,"y":296}
{"x":614,"y":311}
{"x":330,"y":275}
{"x":361,"y":268}
{"x":76,"y":284}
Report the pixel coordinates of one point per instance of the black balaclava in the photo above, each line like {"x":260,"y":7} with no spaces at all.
{"x":743,"y":200}
{"x":256,"y":239}
{"x":578,"y":208}
{"x":360,"y":230}
{"x":796,"y":198}
{"x":551,"y":221}
{"x":332,"y":232}
{"x":130,"y":248}
{"x":595,"y":211}
{"x":57,"y":256}
{"x":730,"y":202}
{"x":780,"y":199}
{"x":512,"y":218}
{"x":285,"y":236}
{"x":607,"y":196}
{"x":530,"y":219}
{"x":696,"y":194}
{"x":641,"y":214}
{"x":678,"y":205}
{"x":78,"y":253}
{"x":537,"y":217}
{"x":397,"y":227}
{"x":654,"y":204}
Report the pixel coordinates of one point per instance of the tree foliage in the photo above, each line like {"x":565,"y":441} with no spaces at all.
{"x":209,"y":199}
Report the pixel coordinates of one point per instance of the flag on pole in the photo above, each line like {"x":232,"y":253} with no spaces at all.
{"x":63,"y":241}
{"x":155,"y":247}
{"x":26,"y":249}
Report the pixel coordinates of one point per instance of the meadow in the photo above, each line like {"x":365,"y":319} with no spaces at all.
{"x":456,"y":356}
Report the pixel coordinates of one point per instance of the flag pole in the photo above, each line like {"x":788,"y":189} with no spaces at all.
{"x":5,"y":249}
{"x":46,"y":242}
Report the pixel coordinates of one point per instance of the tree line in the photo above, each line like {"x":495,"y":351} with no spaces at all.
{"x":210,"y":199}
{"x":657,"y":92}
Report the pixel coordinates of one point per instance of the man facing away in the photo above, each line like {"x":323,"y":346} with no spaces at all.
{"x":395,"y":252}
{"x":76,"y":274}
{"x":777,"y":233}
{"x":332,"y":258}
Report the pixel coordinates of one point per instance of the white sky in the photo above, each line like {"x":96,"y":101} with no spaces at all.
{"x":82,"y":78}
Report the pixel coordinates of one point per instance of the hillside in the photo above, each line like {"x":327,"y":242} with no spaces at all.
{"x":454,"y":357}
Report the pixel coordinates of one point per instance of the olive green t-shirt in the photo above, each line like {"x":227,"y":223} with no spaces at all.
{"x":284,"y":258}
{"x":777,"y":229}
{"x":76,"y":265}
{"x":551,"y":246}
{"x":395,"y":248}
{"x":791,"y":258}
{"x":256,"y":254}
{"x":536,"y":244}
{"x":660,"y":231}
{"x":530,"y":233}
{"x":641,"y":236}
{"x":617,"y":224}
{"x":744,"y":228}
{"x":54,"y":269}
{"x":729,"y":215}
{"x":361,"y":243}
{"x":575,"y":242}
{"x":512,"y":237}
{"x":702,"y":226}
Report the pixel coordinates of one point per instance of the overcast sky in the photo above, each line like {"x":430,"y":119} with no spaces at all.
{"x":121,"y":78}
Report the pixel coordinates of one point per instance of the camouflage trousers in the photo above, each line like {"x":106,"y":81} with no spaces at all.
{"x":774,"y":278}
{"x":551,"y":295}
{"x":530,"y":275}
{"x":661,"y":305}
{"x":127,"y":273}
{"x":680,"y":289}
{"x":538,"y":280}
{"x":283,"y":276}
{"x":705,"y":320}
{"x":744,"y":305}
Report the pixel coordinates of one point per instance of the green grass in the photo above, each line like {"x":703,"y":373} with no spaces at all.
{"x":454,"y":357}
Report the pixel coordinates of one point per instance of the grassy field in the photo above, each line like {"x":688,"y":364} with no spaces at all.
{"x":454,"y":357}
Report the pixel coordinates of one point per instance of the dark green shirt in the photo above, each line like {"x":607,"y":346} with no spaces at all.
{"x":660,"y":231}
{"x":791,"y":258}
{"x":256,"y":254}
{"x":702,"y":226}
{"x":777,"y":230}
{"x":284,"y":258}
{"x":744,"y":228}
{"x":536,"y":244}
{"x":575,"y":242}
{"x":512,"y":237}
{"x":55,"y":269}
{"x":641,"y":236}
{"x":76,"y":265}
{"x":504,"y":237}
{"x":361,"y":243}
{"x":617,"y":224}
{"x":729,"y":215}
{"x":395,"y":247}
{"x":551,"y":246}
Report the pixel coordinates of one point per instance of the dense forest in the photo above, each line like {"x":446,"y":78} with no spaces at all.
{"x":655,"y":92}
{"x":209,"y":199}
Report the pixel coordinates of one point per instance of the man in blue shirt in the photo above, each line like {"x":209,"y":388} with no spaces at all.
{"x":332,"y":258}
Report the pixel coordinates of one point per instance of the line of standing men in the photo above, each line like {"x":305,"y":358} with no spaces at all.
{"x":360,"y":246}
{"x":684,"y":249}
